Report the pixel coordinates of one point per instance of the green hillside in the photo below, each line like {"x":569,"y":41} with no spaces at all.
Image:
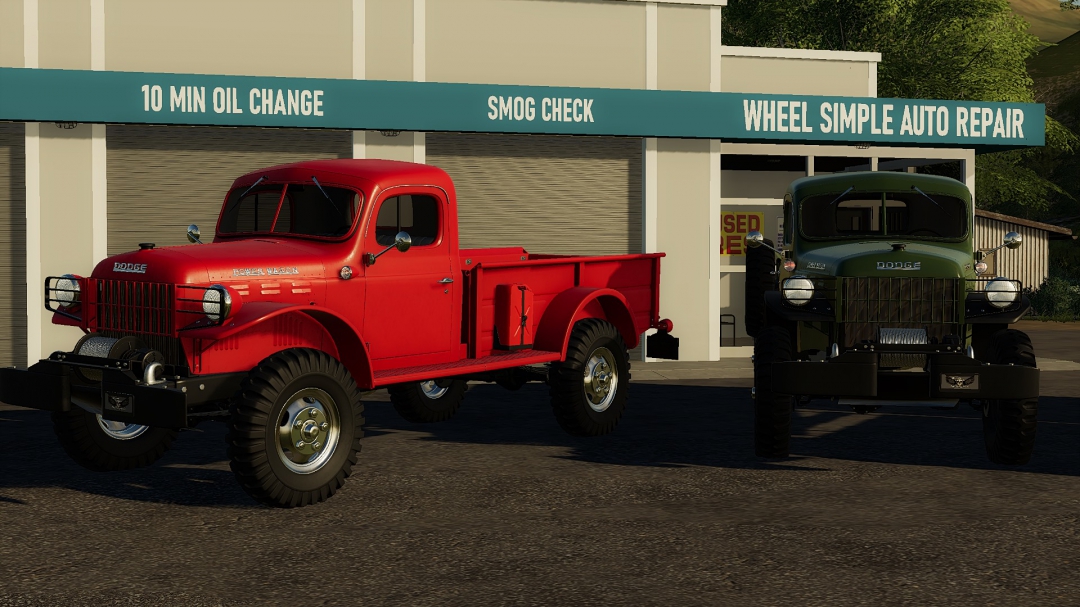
{"x":1060,"y":60}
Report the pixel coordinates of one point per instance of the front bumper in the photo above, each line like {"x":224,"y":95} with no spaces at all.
{"x":116,"y":392}
{"x":947,"y":375}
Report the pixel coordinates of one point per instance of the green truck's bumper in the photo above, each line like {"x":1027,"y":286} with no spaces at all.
{"x":115,"y":392}
{"x":857,"y":374}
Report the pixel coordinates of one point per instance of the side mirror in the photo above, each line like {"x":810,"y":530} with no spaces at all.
{"x":1013,"y":240}
{"x":754,"y":239}
{"x":193,"y":234}
{"x":402,"y":242}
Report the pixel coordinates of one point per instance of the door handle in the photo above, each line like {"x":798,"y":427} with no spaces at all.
{"x":446,"y":280}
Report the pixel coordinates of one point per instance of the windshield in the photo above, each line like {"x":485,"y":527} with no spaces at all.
{"x":290,"y":209}
{"x":883,"y":214}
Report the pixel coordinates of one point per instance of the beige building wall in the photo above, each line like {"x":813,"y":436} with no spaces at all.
{"x":244,"y":37}
{"x":683,"y":48}
{"x":537,"y":42}
{"x":11,"y":33}
{"x":66,"y":240}
{"x":780,"y":75}
{"x":683,"y":232}
{"x":388,"y":36}
{"x":64,"y":34}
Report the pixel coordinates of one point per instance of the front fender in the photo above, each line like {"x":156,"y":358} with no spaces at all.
{"x":347,"y":341}
{"x":572,"y":305}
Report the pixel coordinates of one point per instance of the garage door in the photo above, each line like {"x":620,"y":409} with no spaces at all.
{"x":12,"y":243}
{"x":161,"y":179}
{"x":549,"y":194}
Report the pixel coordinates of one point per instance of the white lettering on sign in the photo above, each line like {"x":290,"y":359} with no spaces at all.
{"x":874,"y":118}
{"x":190,"y":99}
{"x":285,"y":102}
{"x":552,"y":109}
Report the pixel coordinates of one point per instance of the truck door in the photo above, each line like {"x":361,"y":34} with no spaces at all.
{"x":410,"y":295}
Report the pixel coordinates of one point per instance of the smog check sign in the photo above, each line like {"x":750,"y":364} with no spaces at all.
{"x":41,"y":95}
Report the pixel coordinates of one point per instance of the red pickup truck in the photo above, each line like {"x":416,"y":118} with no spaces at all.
{"x":326,"y":278}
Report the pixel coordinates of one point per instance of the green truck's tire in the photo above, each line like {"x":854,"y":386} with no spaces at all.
{"x":589,"y":390}
{"x":294,"y":433}
{"x":772,"y":411}
{"x":1009,"y":426}
{"x":424,"y":402}
{"x":104,"y":446}
{"x":759,"y":279}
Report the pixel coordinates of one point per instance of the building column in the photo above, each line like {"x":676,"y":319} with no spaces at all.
{"x":419,"y":62}
{"x":650,"y":192}
{"x":715,"y":199}
{"x":359,"y":66}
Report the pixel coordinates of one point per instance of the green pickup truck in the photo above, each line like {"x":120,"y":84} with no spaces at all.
{"x":876,"y":296}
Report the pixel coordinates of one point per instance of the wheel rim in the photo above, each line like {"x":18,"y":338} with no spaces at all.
{"x":433,"y":390}
{"x":601,"y":379}
{"x":120,"y":430}
{"x":309,"y":431}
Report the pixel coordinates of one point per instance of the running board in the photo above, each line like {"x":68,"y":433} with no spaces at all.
{"x":504,"y":360}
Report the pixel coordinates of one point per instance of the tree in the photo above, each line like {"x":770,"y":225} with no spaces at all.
{"x":930,"y":49}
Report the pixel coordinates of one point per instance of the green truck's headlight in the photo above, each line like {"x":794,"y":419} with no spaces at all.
{"x":798,"y":290}
{"x":1002,"y":292}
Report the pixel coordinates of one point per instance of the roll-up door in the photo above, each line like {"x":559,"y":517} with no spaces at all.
{"x":12,"y":243}
{"x":549,"y":194}
{"x":161,"y":179}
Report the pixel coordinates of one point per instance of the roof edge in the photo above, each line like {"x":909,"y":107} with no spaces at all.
{"x":1038,"y":225}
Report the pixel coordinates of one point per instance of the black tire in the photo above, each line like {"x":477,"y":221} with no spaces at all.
{"x":772,"y":412}
{"x":573,"y":399}
{"x":760,"y":265}
{"x":295,"y":392}
{"x":415,"y":402}
{"x":88,"y":443}
{"x":1009,"y":425}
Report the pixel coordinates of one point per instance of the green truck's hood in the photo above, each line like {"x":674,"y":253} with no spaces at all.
{"x":877,"y":258}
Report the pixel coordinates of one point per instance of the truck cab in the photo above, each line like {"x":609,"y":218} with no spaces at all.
{"x":877,"y":277}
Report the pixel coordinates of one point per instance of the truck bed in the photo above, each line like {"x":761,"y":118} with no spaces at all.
{"x":636,"y":277}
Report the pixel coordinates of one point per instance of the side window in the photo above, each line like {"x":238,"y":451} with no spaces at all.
{"x":416,"y":214}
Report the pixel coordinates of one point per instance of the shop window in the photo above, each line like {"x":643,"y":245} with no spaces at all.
{"x":838,"y":164}
{"x":416,"y":214}
{"x":753,"y":162}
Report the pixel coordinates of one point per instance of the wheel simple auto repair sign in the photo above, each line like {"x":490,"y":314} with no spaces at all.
{"x":734,"y":226}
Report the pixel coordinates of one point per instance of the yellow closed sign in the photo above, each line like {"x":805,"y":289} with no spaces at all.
{"x":734,"y":226}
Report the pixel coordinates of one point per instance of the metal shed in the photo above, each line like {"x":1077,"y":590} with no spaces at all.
{"x":1030,"y":264}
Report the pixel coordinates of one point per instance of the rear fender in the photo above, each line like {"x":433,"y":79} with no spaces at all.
{"x":263,"y":328}
{"x":572,"y":305}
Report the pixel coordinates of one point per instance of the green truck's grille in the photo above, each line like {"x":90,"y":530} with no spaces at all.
{"x":868,"y":304}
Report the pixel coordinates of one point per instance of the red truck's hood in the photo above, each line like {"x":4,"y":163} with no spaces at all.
{"x":216,"y":262}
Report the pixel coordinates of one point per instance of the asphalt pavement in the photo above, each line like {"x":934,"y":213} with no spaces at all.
{"x":499,"y":507}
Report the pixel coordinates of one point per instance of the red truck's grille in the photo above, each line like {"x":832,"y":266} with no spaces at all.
{"x":135,"y":307}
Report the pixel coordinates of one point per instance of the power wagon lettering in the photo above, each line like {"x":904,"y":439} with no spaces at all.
{"x":265,"y":272}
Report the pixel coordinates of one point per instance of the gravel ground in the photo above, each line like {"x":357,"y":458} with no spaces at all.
{"x":498,"y":507}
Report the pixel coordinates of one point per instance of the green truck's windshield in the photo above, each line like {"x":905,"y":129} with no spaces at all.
{"x":310,"y":209}
{"x":883,"y":214}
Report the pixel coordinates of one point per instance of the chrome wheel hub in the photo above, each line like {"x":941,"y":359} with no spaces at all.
{"x":433,"y":390}
{"x":601,"y":379}
{"x":309,"y":431}
{"x":120,"y":430}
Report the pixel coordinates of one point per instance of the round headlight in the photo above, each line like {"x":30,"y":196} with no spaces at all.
{"x":66,"y":291}
{"x":798,"y":290}
{"x":216,"y":303}
{"x":1001,"y":292}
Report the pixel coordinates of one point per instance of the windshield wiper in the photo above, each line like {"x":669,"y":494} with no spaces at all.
{"x":928,"y":197}
{"x":837,"y":199}
{"x":241,"y":197}
{"x":318,"y":185}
